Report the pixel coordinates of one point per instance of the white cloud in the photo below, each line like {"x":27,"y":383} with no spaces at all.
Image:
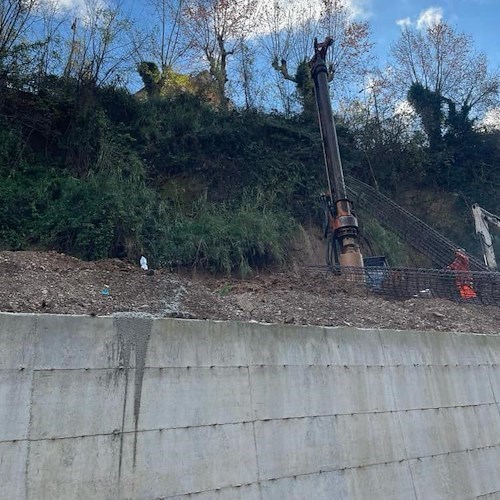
{"x":404,"y":108}
{"x":80,"y":8}
{"x":429,"y":17}
{"x":295,"y":12}
{"x":491,"y":120}
{"x":64,"y":5}
{"x":404,"y":22}
{"x":71,"y":4}
{"x":360,"y":9}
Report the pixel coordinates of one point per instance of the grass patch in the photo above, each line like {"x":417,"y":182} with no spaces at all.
{"x":223,"y":237}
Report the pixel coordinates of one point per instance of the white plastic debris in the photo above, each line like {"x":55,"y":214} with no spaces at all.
{"x":144,"y":263}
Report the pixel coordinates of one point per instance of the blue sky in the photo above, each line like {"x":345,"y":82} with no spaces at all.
{"x":479,"y":18}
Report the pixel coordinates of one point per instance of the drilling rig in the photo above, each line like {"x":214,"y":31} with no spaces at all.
{"x":342,"y":226}
{"x":465,"y":279}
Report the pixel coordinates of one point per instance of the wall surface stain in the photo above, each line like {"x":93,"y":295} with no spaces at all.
{"x":133,"y":340}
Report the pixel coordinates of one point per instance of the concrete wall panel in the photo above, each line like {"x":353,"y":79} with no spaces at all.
{"x":297,"y":345}
{"x":244,"y":411}
{"x":177,"y":343}
{"x":182,"y":397}
{"x":357,"y":347}
{"x":74,"y":469}
{"x":439,"y":348}
{"x":493,"y":344}
{"x":445,"y":430}
{"x":308,"y":445}
{"x":297,"y":391}
{"x":418,"y":387}
{"x":15,"y":397}
{"x":76,"y":342}
{"x":494,"y":372}
{"x":17,"y":340}
{"x":476,"y":349}
{"x":410,"y":347}
{"x":245,"y":492}
{"x":72,"y":403}
{"x":490,"y":496}
{"x":195,"y":459}
{"x":324,"y":486}
{"x":309,"y":345}
{"x":390,"y":481}
{"x":13,"y":458}
{"x":459,"y":476}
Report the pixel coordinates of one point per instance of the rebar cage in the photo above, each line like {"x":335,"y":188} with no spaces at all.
{"x":401,"y":283}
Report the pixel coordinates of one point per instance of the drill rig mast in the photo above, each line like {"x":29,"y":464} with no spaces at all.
{"x":342,"y":224}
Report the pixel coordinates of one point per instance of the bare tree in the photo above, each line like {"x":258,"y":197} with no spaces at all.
{"x":168,"y":45}
{"x":101,"y":48}
{"x":217,"y":30}
{"x":290,"y":43}
{"x":163,"y":48}
{"x":351,"y":46}
{"x":51,"y":20}
{"x":246,"y":72}
{"x":445,"y":62}
{"x":15,"y":18}
{"x":17,"y":49}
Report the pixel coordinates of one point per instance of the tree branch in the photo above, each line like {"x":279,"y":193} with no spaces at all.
{"x":283,"y":69}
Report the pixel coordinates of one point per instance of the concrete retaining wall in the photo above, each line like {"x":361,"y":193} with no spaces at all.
{"x":131,"y":408}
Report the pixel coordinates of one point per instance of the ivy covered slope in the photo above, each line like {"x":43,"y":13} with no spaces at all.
{"x":104,"y":174}
{"x":217,"y":160}
{"x":99,"y":173}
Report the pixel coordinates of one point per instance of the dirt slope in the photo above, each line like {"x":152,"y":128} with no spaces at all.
{"x":48,"y":282}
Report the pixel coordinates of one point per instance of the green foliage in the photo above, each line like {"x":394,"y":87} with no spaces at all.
{"x":92,"y":219}
{"x":97,"y":203}
{"x":305,"y":90}
{"x":96,"y":218}
{"x":428,"y":105}
{"x":223,"y":237}
{"x":151,"y":76}
{"x":11,"y":149}
{"x":97,"y":173}
{"x":384,"y":242}
{"x":169,"y":133}
{"x":388,"y":158}
{"x":19,"y":211}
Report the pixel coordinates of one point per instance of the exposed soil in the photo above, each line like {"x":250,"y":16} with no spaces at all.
{"x":48,"y":282}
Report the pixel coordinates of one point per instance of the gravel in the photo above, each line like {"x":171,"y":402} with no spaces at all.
{"x":49,"y":282}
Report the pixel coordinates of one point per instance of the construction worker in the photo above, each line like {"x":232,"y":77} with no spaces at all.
{"x":463,"y":279}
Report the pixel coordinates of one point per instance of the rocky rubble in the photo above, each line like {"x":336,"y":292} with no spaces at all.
{"x":48,"y":282}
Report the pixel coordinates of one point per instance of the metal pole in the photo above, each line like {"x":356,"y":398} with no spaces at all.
{"x":344,"y":224}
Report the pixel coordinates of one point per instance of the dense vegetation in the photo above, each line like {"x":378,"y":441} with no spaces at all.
{"x":186,"y":184}
{"x":172,"y":179}
{"x":185,"y":176}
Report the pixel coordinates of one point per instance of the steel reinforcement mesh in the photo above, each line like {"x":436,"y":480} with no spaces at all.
{"x":477,"y":286}
{"x":401,"y":283}
{"x":411,"y":229}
